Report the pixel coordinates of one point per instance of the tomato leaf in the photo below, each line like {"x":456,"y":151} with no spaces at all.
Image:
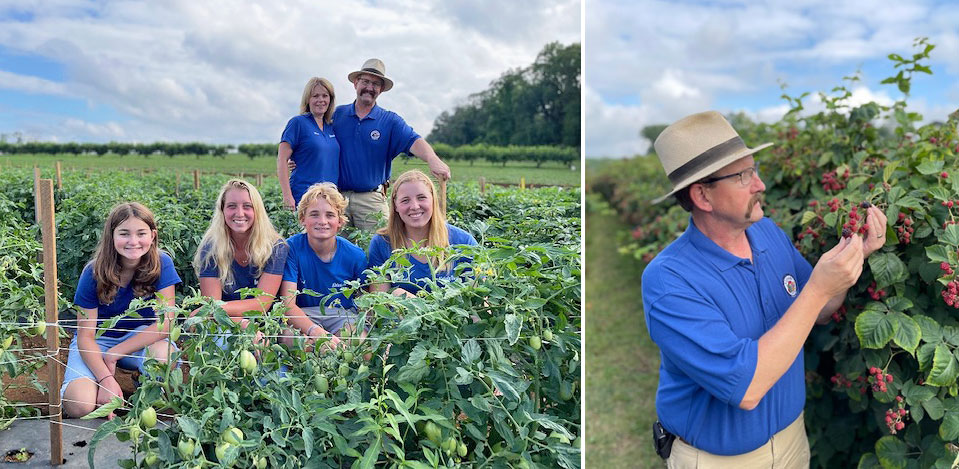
{"x":104,"y":410}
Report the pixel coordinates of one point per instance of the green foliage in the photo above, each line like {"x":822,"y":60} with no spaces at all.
{"x":901,"y":317}
{"x":536,"y":105}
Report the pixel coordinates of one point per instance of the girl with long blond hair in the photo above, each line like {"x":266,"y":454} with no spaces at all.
{"x":240,"y":249}
{"x":126,"y":265}
{"x":415,"y":219}
{"x":309,"y":142}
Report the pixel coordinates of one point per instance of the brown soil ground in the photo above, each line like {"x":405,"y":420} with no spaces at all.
{"x":23,"y":391}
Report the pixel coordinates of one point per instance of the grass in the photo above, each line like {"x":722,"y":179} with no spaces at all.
{"x":622,"y":363}
{"x":548,"y":174}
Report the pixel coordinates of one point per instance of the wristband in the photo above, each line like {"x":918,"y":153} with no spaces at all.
{"x":103,"y":378}
{"x":311,"y":329}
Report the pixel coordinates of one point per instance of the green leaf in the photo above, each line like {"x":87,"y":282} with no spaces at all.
{"x":950,"y":235}
{"x":929,"y":167}
{"x":925,"y":354}
{"x":807,"y":217}
{"x":944,"y":367}
{"x":934,"y":408}
{"x":909,"y":202}
{"x":887,"y":268}
{"x":907,"y":333}
{"x":938,"y":193}
{"x":504,"y":383}
{"x":104,"y":410}
{"x":898,"y":303}
{"x":869,"y":461}
{"x":888,"y":171}
{"x":513,"y":327}
{"x":471,"y":351}
{"x":874,"y":329}
{"x":937,"y":253}
{"x":949,"y":428}
{"x":930,"y":329}
{"x":371,"y":455}
{"x":891,"y":452}
{"x":307,"y":442}
{"x":830,"y":219}
{"x":103,"y":431}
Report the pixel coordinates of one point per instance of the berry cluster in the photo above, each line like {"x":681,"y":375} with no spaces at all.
{"x":950,"y":203}
{"x":830,"y":183}
{"x":950,"y":295}
{"x":840,"y":381}
{"x":833,"y":204}
{"x":879,"y":379}
{"x":875,"y":294}
{"x":853,"y":226}
{"x":905,"y":228}
{"x":839,"y":314}
{"x":895,"y":416}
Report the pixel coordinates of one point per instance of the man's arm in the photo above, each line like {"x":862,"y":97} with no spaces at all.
{"x":837,"y":270}
{"x":424,"y":151}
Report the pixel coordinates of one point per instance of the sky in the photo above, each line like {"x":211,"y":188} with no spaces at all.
{"x":233,"y":71}
{"x":652,"y":62}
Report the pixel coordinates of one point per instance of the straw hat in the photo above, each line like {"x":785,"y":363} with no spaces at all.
{"x":696,"y":146}
{"x":373,"y":67}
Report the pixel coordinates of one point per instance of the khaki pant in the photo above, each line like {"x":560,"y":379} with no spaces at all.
{"x":788,"y":449}
{"x":363,"y":209}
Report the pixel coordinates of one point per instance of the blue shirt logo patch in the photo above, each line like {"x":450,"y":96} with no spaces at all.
{"x":375,"y":134}
{"x":789,"y":283}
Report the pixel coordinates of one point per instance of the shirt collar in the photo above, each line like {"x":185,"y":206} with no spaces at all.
{"x":374,"y":113}
{"x":720,"y":258}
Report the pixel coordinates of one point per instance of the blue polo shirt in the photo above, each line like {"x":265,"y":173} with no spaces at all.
{"x":706,"y":310}
{"x":418,"y":273}
{"x":305,"y":268}
{"x":86,"y":297}
{"x":315,"y":152}
{"x":245,"y":276}
{"x":368,"y":146}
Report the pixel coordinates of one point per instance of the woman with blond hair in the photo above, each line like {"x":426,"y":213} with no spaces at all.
{"x":415,"y":219}
{"x":240,"y":249}
{"x":309,"y":142}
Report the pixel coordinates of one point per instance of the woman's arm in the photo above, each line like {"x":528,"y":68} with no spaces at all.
{"x":102,"y":369}
{"x":283,"y":174}
{"x":151,"y":334}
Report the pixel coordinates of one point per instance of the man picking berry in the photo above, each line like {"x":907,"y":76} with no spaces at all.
{"x":730,"y":303}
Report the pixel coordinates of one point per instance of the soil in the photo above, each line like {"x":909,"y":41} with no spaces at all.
{"x":23,"y":391}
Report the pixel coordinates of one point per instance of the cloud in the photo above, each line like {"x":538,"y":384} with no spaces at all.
{"x":29,"y":84}
{"x":233,"y":71}
{"x":613,"y":130}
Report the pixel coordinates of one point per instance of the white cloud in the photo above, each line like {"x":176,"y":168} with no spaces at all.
{"x":613,"y":130}
{"x":233,"y":71}
{"x":29,"y":84}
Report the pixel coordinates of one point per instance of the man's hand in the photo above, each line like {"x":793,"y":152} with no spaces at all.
{"x":839,"y":268}
{"x":875,"y":238}
{"x":288,"y":202}
{"x":290,"y":164}
{"x":440,"y":169}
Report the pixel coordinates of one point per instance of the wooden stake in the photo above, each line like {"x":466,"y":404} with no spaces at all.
{"x":522,"y":183}
{"x":196,"y":179}
{"x":482,"y":183}
{"x":59,"y":178}
{"x":259,"y":179}
{"x":48,"y":228}
{"x":443,"y":195}
{"x":178,"y":183}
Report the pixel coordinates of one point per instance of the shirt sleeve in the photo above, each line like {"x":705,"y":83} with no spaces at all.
{"x":696,"y":339}
{"x":402,"y":136}
{"x":209,"y":268}
{"x":291,"y":268}
{"x":291,"y":134}
{"x":168,"y":275}
{"x":276,"y":265}
{"x":86,"y":294}
{"x":379,"y":251}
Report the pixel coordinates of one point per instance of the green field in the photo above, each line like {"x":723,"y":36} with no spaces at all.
{"x":622,"y":362}
{"x":548,"y":174}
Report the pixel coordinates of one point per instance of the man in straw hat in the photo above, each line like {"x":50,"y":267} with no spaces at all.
{"x":370,"y":137}
{"x":730,"y":303}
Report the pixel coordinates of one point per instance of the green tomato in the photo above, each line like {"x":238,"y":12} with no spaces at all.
{"x":261,"y":463}
{"x":185,"y":448}
{"x":362,"y":369}
{"x":232,"y":435}
{"x":449,"y":444}
{"x":221,"y":451}
{"x":247,"y":361}
{"x":37,"y":328}
{"x":150,"y":459}
{"x":348,"y":356}
{"x":565,"y":390}
{"x":433,"y":432}
{"x":175,"y":333}
{"x":462,"y":450}
{"x":344,"y":370}
{"x":535,"y":342}
{"x":346,"y":332}
{"x":322,"y":384}
{"x":548,"y":334}
{"x":148,"y":417}
{"x":340,"y":383}
{"x":134,"y":433}
{"x":522,"y":464}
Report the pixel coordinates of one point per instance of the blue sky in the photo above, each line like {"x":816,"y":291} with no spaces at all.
{"x":233,"y":71}
{"x":653,"y":62}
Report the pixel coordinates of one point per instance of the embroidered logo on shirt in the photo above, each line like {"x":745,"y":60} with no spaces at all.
{"x":315,"y":133}
{"x":375,"y":134}
{"x":789,"y":283}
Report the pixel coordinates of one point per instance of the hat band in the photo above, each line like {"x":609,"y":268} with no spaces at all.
{"x":373,"y":71}
{"x":705,"y":159}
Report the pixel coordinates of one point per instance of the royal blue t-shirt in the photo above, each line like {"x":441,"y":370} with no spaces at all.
{"x":368,"y":146}
{"x":86,"y":297}
{"x":419,"y":272}
{"x":305,"y":268}
{"x":706,"y":310}
{"x":245,"y":277}
{"x":316,"y":153}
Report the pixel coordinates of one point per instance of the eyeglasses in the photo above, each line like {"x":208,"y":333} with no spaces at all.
{"x":376,"y":84}
{"x":745,"y":176}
